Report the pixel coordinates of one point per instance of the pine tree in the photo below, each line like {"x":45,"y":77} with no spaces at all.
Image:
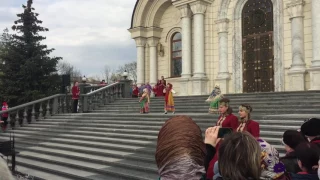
{"x":29,"y":72}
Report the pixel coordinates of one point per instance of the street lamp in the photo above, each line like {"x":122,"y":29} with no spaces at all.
{"x":84,"y":79}
{"x":125,"y":74}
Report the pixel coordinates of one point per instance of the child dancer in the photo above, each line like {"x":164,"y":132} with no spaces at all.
{"x":169,"y":103}
{"x":144,"y":101}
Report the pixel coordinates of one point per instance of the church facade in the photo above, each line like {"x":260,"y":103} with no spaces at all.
{"x":241,"y":45}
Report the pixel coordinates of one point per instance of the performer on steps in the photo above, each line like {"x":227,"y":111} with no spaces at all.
{"x":144,"y":102}
{"x":214,"y":99}
{"x":246,"y":124}
{"x":169,"y":102}
{"x":225,"y":120}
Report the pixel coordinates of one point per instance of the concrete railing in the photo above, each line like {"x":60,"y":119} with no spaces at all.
{"x":62,"y":103}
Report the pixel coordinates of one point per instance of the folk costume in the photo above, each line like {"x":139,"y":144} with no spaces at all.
{"x":225,"y":121}
{"x":169,"y":102}
{"x":160,"y":88}
{"x":75,"y":98}
{"x":144,"y":101}
{"x":214,"y":99}
{"x":248,"y":125}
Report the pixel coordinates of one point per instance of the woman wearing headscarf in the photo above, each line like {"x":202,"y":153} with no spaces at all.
{"x":246,"y":123}
{"x":181,"y":151}
{"x":169,"y":102}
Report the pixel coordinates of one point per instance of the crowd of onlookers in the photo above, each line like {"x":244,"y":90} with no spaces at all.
{"x":240,"y":155}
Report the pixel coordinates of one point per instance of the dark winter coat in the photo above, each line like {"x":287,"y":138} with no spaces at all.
{"x":291,"y":163}
{"x":303,"y":176}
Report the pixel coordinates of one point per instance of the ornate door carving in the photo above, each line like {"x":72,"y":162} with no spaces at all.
{"x":257,"y":46}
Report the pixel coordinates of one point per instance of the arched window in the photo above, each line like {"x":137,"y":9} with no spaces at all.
{"x":176,"y":55}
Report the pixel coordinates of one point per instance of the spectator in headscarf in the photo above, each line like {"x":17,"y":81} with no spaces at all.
{"x":181,"y":152}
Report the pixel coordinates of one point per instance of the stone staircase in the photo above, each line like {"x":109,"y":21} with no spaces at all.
{"x":115,"y":142}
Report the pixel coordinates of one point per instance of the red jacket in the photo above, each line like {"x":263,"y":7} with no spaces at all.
{"x":253,"y":128}
{"x":75,"y":92}
{"x":231,"y":121}
{"x":135,"y":91}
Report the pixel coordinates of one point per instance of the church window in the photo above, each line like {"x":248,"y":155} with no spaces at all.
{"x":176,"y":55}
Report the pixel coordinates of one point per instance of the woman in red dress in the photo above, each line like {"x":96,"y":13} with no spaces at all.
{"x":246,"y":124}
{"x":225,"y":120}
{"x":161,"y":87}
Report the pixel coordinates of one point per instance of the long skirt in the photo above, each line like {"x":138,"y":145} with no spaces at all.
{"x":214,"y":105}
{"x":169,"y":105}
{"x":144,"y":106}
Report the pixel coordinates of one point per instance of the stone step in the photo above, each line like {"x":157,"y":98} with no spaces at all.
{"x":30,"y":138}
{"x":155,"y":128}
{"x":118,"y":141}
{"x":256,"y":111}
{"x":83,"y":171}
{"x":93,"y":161}
{"x":233,"y":101}
{"x":288,"y":116}
{"x":206,"y":105}
{"x":153,"y":121}
{"x":36,"y":174}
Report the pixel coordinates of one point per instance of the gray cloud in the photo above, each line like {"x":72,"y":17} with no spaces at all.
{"x":88,"y":34}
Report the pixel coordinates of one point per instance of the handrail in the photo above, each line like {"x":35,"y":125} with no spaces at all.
{"x":102,"y":89}
{"x":62,"y":103}
{"x":15,"y":108}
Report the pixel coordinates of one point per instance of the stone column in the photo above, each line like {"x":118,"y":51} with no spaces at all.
{"x":298,"y":67}
{"x":140,"y":43}
{"x":223,"y":74}
{"x":186,"y":49}
{"x":186,"y":40}
{"x":199,"y":8}
{"x":199,"y":77}
{"x":315,"y":66}
{"x":153,"y":42}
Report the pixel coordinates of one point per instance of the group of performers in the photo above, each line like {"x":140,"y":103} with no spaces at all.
{"x":160,"y":89}
{"x":228,"y":120}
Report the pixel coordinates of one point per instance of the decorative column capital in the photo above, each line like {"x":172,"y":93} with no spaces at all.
{"x":153,"y":41}
{"x":295,"y":8}
{"x":199,"y":7}
{"x":222,"y":25}
{"x":140,"y":41}
{"x":185,"y":11}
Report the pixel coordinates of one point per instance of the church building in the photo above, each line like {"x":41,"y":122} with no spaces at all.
{"x":243,"y":46}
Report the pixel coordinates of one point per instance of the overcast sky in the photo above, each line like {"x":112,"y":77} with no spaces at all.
{"x":89,"y":34}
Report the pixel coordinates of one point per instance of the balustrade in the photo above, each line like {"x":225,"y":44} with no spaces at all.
{"x":62,"y":103}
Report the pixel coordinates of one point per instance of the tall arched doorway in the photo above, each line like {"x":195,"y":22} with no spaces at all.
{"x":257,"y":46}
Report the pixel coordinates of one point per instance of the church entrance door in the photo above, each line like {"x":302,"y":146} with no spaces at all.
{"x":257,"y":46}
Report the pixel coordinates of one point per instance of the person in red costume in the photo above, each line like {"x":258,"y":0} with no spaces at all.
{"x":161,"y":86}
{"x":75,"y":96}
{"x":135,"y":91}
{"x":225,"y":120}
{"x":246,"y":124}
